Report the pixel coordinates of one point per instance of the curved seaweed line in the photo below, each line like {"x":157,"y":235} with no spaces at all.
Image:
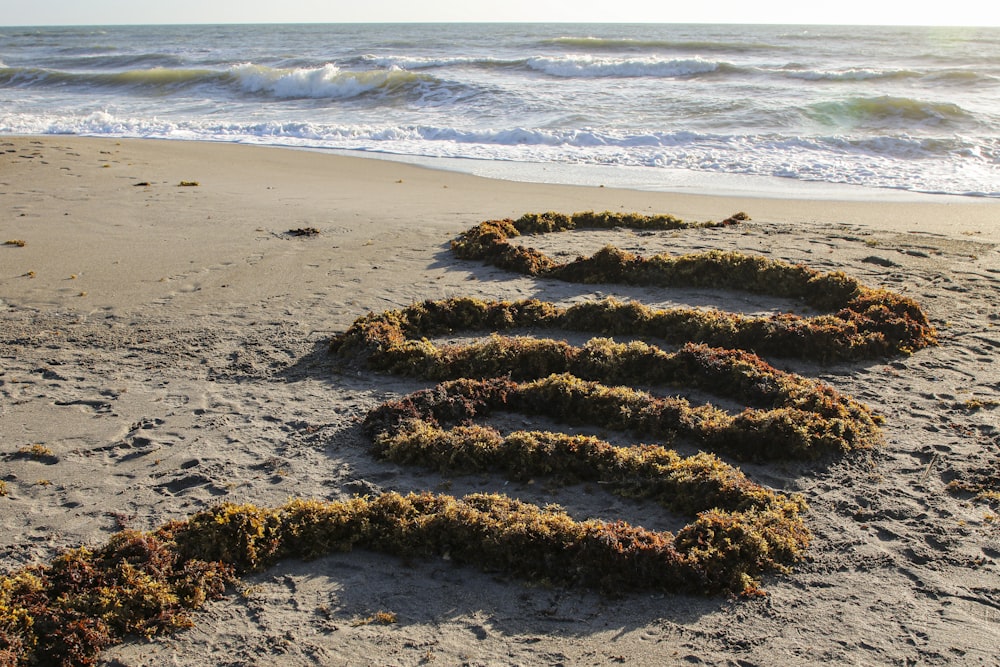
{"x":828,"y":420}
{"x":752,"y":435}
{"x":864,"y":323}
{"x":147,"y":583}
{"x":802,"y":419}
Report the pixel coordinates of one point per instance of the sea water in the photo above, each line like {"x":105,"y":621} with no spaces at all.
{"x":664,"y":106}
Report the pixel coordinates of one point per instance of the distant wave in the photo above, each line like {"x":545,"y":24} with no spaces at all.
{"x":90,"y":61}
{"x":962,"y":77}
{"x":626,"y":44}
{"x":418,"y":62}
{"x":851,"y":74}
{"x":568,"y":66}
{"x":64,"y":32}
{"x":589,"y":66}
{"x":854,"y":74}
{"x":326,"y":82}
{"x":155,"y":77}
{"x":886,"y":110}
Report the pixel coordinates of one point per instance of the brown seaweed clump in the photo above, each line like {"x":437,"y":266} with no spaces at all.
{"x":66,"y":612}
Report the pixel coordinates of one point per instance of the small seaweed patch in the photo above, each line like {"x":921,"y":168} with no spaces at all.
{"x":188,"y":184}
{"x":15,"y":242}
{"x":35,"y":452}
{"x":303,"y":231}
{"x":976,"y":404}
{"x":979,"y":483}
{"x":378,"y":618}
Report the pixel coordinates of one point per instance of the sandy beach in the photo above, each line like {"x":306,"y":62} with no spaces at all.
{"x":164,"y":337}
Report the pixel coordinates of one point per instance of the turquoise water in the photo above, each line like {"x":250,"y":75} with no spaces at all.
{"x":912,"y":109}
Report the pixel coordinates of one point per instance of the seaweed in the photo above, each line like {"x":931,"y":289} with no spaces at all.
{"x":822,"y":413}
{"x":788,"y":416}
{"x":753,"y":434}
{"x":303,"y":231}
{"x":148,"y":583}
{"x":66,"y":612}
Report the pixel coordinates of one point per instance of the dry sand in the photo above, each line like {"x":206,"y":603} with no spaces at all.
{"x":167,"y":344}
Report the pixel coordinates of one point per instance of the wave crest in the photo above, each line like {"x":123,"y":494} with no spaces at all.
{"x":589,"y":66}
{"x":629,"y":44}
{"x":326,"y":82}
{"x":887,"y":110}
{"x":853,"y":74}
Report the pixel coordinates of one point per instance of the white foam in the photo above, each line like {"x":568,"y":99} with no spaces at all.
{"x":902,"y":163}
{"x":328,"y":81}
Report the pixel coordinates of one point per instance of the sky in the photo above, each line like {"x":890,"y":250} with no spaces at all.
{"x":851,"y":12}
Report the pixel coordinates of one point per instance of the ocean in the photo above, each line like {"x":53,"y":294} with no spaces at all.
{"x":911,"y":110}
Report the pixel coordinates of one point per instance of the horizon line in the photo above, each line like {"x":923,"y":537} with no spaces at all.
{"x":501,"y":22}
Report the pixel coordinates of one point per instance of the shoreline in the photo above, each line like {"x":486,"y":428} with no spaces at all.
{"x":664,"y":180}
{"x":285,"y":189}
{"x":168,"y":345}
{"x":672,"y":181}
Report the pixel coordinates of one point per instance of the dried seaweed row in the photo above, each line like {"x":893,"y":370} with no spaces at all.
{"x":699,"y":486}
{"x":687,"y":485}
{"x":863,"y":323}
{"x":394,"y":341}
{"x":498,"y":533}
{"x":553,"y":221}
{"x":777,"y":433}
{"x":146,"y":583}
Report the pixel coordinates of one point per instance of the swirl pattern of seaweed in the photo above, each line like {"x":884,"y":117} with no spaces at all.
{"x":143,"y":584}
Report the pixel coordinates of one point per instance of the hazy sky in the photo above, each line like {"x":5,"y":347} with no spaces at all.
{"x":897,"y":12}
